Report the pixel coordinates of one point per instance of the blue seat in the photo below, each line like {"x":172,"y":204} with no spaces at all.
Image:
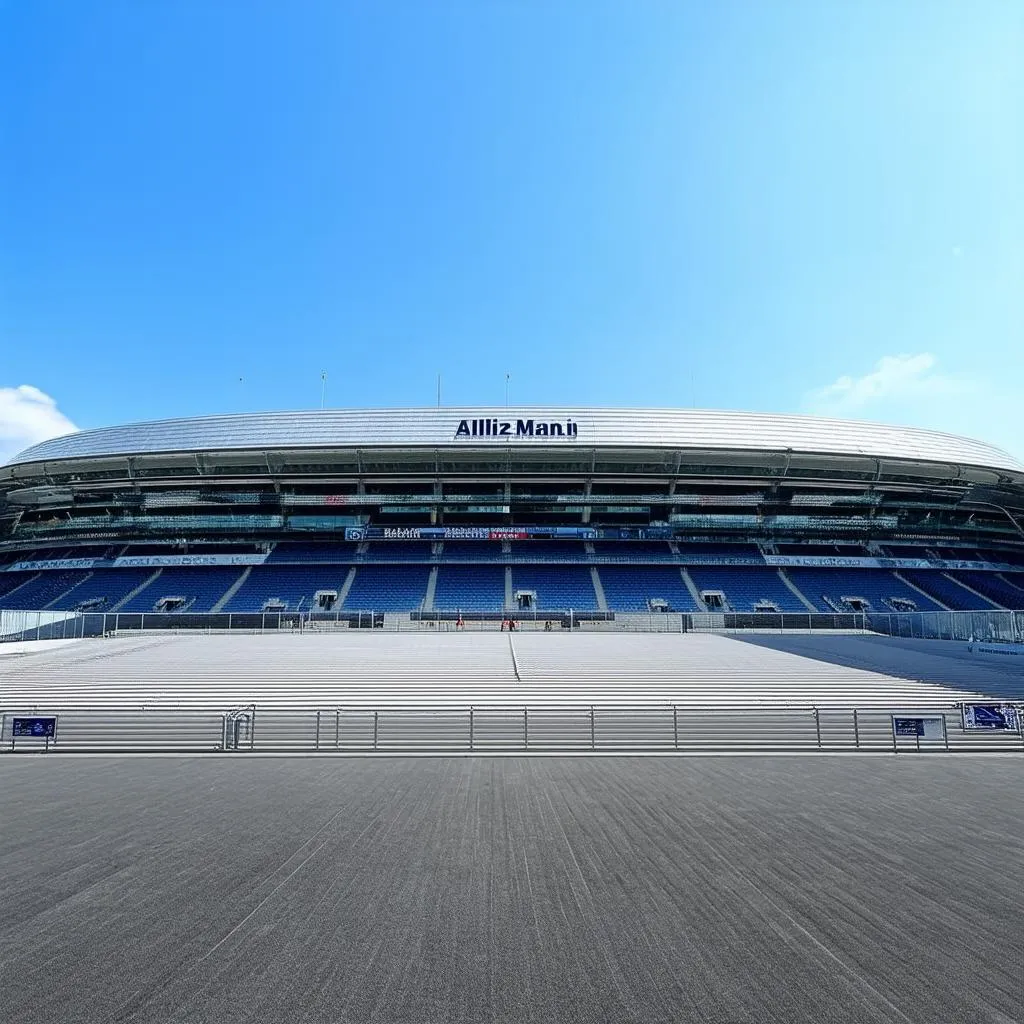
{"x":105,"y":587}
{"x":336,"y":553}
{"x":388,"y":588}
{"x":876,"y":586}
{"x":633,"y":551}
{"x":478,"y":588}
{"x":951,"y":594}
{"x":745,"y":587}
{"x":38,"y":593}
{"x":629,"y":588}
{"x":293,"y":585}
{"x":557,"y":587}
{"x":992,"y":586}
{"x":201,"y":587}
{"x":399,"y":551}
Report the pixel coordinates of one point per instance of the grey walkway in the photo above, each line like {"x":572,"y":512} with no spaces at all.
{"x":831,"y":891}
{"x":946,"y":662}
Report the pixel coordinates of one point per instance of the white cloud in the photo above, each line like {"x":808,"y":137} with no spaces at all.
{"x":902,"y":378}
{"x":28,"y":415}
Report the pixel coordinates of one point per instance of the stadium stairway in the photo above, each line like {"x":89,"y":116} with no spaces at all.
{"x":107,"y":586}
{"x":630,"y":588}
{"x":876,"y":586}
{"x":904,"y":579}
{"x":12,"y":583}
{"x":990,"y":586}
{"x":201,"y":587}
{"x":295,"y":586}
{"x":947,"y":590}
{"x":795,"y":590}
{"x":745,"y":587}
{"x":228,"y":594}
{"x":132,"y":594}
{"x":43,"y":588}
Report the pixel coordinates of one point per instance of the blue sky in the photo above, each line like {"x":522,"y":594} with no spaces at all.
{"x":785,"y":206}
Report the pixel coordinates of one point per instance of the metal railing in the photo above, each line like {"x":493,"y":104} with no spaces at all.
{"x":504,"y":729}
{"x":996,"y":626}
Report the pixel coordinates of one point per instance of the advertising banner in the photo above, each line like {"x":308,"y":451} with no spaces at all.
{"x":996,"y":717}
{"x":38,"y":728}
{"x":56,"y":563}
{"x":931,"y":728}
{"x":155,"y":561}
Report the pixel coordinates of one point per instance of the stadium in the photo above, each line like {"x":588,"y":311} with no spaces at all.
{"x":270,"y":752}
{"x":786,"y":559}
{"x":483,"y":513}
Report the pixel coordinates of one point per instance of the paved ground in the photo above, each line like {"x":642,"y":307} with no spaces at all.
{"x":724,"y":890}
{"x":948,"y":663}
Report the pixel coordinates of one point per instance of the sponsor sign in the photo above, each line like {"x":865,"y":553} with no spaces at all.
{"x":470,"y":532}
{"x":517,"y":429}
{"x":155,"y":561}
{"x":1005,"y":649}
{"x":931,"y":728}
{"x":37,"y":728}
{"x":827,"y":561}
{"x":870,"y":562}
{"x":56,"y":563}
{"x":996,"y":717}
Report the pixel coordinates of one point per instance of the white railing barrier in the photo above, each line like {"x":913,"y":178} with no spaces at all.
{"x":663,"y":729}
{"x":986,"y":626}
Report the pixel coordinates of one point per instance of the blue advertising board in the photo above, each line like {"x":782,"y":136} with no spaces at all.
{"x":1003,"y":717}
{"x":37,"y":728}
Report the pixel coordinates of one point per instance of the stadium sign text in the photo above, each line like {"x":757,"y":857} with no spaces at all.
{"x":516,"y":428}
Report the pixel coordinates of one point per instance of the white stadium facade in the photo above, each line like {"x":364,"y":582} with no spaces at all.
{"x":482,"y":513}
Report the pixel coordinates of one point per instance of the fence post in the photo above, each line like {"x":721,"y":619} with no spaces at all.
{"x":337,"y":728}
{"x":592,"y":741}
{"x":675,"y":725}
{"x":470,"y":728}
{"x":817,"y":727}
{"x":375,"y":714}
{"x":856,"y":730}
{"x":526,"y":729}
{"x":318,"y":730}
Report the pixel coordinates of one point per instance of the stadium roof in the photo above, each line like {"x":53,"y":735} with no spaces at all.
{"x":533,"y":427}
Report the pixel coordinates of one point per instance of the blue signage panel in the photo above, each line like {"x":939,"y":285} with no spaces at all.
{"x":990,"y":716}
{"x":40,"y":728}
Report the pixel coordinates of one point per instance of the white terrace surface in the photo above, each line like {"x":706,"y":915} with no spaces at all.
{"x":364,"y":668}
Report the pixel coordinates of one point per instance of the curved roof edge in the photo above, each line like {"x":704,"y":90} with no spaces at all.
{"x":562,"y":426}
